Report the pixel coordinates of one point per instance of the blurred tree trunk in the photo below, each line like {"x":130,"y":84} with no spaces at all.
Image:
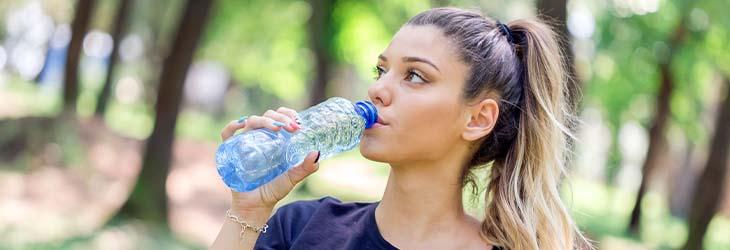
{"x":160,"y":41}
{"x":683,"y":183}
{"x":148,"y":200}
{"x":120,"y":26}
{"x":657,"y":141}
{"x":321,"y":36}
{"x":709,"y":188}
{"x":78,"y":30}
{"x":615,"y":159}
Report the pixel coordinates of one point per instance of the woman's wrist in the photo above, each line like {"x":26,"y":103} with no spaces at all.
{"x":252,"y":215}
{"x":242,"y":228}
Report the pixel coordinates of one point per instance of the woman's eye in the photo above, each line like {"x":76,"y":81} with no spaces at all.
{"x":414,"y":77}
{"x":378,"y":72}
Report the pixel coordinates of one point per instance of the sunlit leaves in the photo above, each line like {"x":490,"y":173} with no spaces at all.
{"x":262,"y":43}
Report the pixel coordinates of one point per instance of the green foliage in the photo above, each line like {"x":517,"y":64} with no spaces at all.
{"x":628,"y":49}
{"x":361,"y":37}
{"x":262,"y":43}
{"x":625,"y":73}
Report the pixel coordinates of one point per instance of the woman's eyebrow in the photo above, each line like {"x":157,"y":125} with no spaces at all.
{"x":418,"y":59}
{"x":412,"y":59}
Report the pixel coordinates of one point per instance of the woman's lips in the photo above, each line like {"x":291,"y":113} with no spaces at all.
{"x":380,"y":121}
{"x":378,"y":125}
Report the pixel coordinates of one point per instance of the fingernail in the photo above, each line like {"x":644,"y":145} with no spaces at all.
{"x":316,"y":160}
{"x":294,"y":125}
{"x":278,"y":124}
{"x":242,"y":119}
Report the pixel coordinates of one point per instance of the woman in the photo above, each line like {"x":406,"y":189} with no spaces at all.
{"x":454,"y":90}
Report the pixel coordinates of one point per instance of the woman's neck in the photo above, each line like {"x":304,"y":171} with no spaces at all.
{"x":415,"y":195}
{"x":420,"y":201}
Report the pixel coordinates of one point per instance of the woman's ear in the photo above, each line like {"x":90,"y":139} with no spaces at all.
{"x":481,"y":118}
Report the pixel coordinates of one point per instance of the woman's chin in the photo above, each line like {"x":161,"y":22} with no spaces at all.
{"x":372,"y":152}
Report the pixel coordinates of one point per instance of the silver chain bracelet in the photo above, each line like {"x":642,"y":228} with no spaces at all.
{"x":245,"y":225}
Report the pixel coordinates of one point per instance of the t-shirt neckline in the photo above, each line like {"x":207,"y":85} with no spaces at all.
{"x":373,"y":231}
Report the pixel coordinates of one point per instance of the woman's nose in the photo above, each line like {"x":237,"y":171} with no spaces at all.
{"x":379,"y":93}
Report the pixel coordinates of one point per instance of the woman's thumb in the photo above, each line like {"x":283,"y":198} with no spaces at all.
{"x":307,"y":167}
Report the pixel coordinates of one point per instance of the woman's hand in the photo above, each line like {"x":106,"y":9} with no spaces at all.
{"x":265,"y":197}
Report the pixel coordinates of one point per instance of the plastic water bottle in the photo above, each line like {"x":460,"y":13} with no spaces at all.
{"x":251,"y":159}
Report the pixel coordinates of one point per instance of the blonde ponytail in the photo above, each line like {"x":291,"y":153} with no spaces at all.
{"x":525,"y":210}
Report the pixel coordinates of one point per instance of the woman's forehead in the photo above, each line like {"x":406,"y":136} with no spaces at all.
{"x":427,"y":41}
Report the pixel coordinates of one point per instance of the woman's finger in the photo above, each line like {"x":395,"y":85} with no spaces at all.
{"x":289,"y":112}
{"x":255,"y":122}
{"x":304,"y":169}
{"x":231,"y":127}
{"x":250,"y":123}
{"x":290,"y":126}
{"x":278,"y":188}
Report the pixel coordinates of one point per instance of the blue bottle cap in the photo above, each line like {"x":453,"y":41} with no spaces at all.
{"x":369,"y":113}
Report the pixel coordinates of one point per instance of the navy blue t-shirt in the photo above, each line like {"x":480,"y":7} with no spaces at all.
{"x":326,"y":223}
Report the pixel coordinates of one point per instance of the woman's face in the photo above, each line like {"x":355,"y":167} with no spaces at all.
{"x":418,"y":97}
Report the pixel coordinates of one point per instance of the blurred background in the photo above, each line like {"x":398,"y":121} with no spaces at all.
{"x":110,"y":112}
